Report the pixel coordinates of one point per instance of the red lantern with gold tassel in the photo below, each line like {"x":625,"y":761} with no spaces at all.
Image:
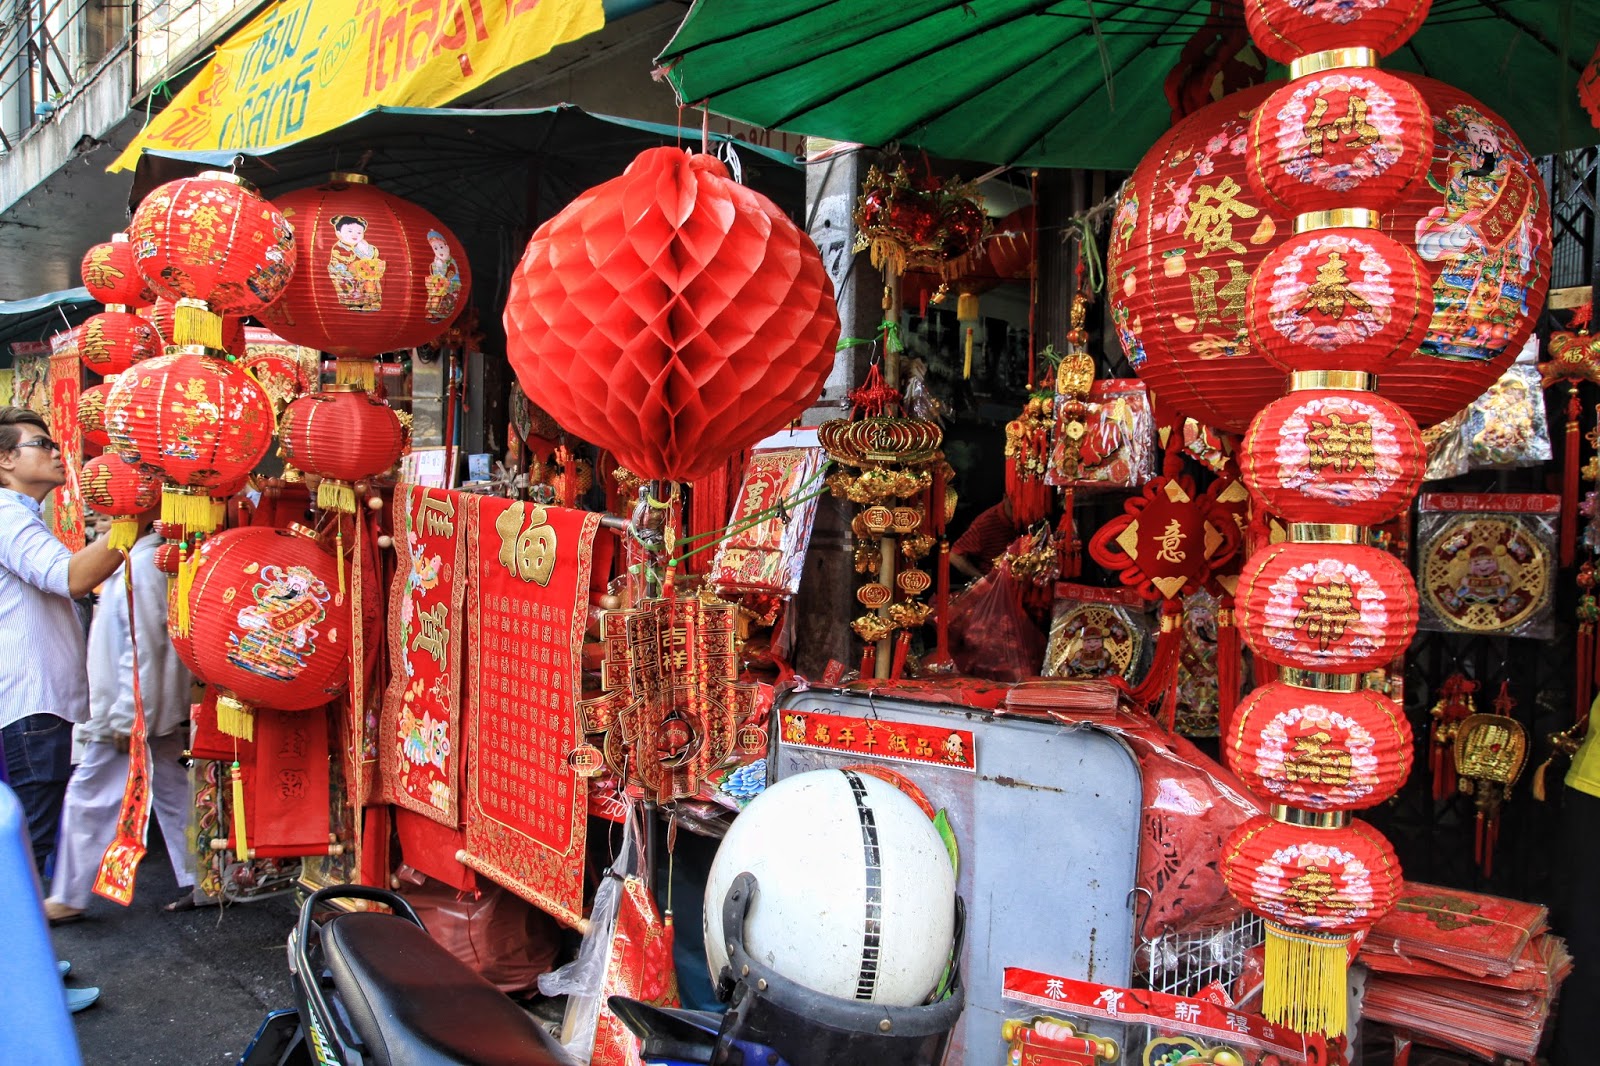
{"x":215,"y":246}
{"x":343,"y":434}
{"x":111,"y":278}
{"x":121,"y":490}
{"x":268,"y":627}
{"x":112,"y":341}
{"x":161,"y":315}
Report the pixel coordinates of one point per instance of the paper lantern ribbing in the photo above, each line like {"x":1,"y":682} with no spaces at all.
{"x":374,"y":273}
{"x":1327,"y":455}
{"x":1190,"y":233}
{"x":267,"y":626}
{"x":211,"y":243}
{"x":113,"y":487}
{"x":343,"y":435}
{"x":671,"y":316}
{"x":1319,"y":751}
{"x":92,"y":413}
{"x":110,"y":276}
{"x":1324,"y":880}
{"x":200,"y":423}
{"x":1332,"y":608}
{"x":112,"y":341}
{"x":1286,"y":31}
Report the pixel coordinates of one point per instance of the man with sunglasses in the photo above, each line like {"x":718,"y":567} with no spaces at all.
{"x":44,"y":681}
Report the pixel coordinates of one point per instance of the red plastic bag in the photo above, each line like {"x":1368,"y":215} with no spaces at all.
{"x":506,"y":940}
{"x":991,"y":634}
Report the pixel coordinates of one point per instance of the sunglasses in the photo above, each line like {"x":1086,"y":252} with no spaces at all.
{"x":44,"y":443}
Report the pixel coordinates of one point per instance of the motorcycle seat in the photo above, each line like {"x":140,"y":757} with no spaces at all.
{"x":413,"y":1003}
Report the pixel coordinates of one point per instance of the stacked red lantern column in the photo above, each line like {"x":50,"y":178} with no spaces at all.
{"x":1335,"y":305}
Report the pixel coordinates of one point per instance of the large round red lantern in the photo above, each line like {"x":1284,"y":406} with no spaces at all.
{"x":671,"y":316}
{"x":1285,"y":30}
{"x":110,"y":276}
{"x":121,"y":490}
{"x":1334,"y":881}
{"x":1190,"y":233}
{"x":342,"y":434}
{"x":267,"y":626}
{"x":1330,"y":608}
{"x":1330,"y":455}
{"x":214,"y":245}
{"x":112,"y":341}
{"x":1319,"y":750}
{"x":200,"y":423}
{"x":374,"y":273}
{"x":92,"y":413}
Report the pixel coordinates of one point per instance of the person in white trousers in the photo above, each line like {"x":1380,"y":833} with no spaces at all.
{"x":94,"y":793}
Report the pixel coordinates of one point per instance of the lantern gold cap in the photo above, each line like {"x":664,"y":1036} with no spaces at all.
{"x":1309,"y":819}
{"x":120,"y":237}
{"x":1332,"y":59}
{"x":300,"y":529}
{"x":228,"y":176}
{"x":1338,"y":217}
{"x":1326,"y":533}
{"x":1346,"y":380}
{"x":1318,"y":681}
{"x":349,"y":177}
{"x":340,"y":386}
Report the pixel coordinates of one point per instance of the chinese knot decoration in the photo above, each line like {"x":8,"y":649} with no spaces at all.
{"x":1574,"y":359}
{"x":671,"y":316}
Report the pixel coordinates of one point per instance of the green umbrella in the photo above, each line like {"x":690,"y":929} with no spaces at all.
{"x":1076,"y":83}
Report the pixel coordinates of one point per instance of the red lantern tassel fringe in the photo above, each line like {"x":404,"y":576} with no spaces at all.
{"x":1569,"y":476}
{"x":1228,"y":665}
{"x":1069,"y":550}
{"x":1030,"y":496}
{"x":1161,"y":683}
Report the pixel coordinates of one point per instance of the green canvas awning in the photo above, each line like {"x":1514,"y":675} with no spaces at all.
{"x":1073,"y":83}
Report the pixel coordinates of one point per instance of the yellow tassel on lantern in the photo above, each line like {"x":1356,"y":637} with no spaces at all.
{"x":967,"y":314}
{"x":187,"y":566}
{"x":336,"y":496}
{"x":235,"y":718}
{"x":192,"y":509}
{"x":1305,"y":980}
{"x":966,"y":366}
{"x":241,"y":843}
{"x":124,"y":533}
{"x":363,"y":372}
{"x":195,"y":323}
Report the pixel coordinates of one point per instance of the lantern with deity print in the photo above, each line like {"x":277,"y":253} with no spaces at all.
{"x":112,"y":341}
{"x":268,"y":627}
{"x":92,"y":413}
{"x":110,"y":276}
{"x":216,"y":247}
{"x":121,"y":490}
{"x":671,"y":316}
{"x":342,"y":434}
{"x":374,"y":274}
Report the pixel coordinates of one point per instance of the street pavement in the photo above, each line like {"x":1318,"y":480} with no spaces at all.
{"x":184,"y":989}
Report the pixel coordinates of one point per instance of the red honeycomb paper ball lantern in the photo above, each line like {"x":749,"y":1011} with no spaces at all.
{"x":671,"y":316}
{"x":1320,"y":880}
{"x":374,"y":273}
{"x":1334,"y":608}
{"x":121,"y":490}
{"x":1319,"y":751}
{"x":212,"y":237}
{"x":268,"y":626}
{"x":92,"y":413}
{"x":110,"y":276}
{"x":1350,"y":136}
{"x":342,"y":434}
{"x":1340,"y":299}
{"x":1327,"y":455}
{"x":1285,"y":30}
{"x":1189,"y":234}
{"x":112,"y":341}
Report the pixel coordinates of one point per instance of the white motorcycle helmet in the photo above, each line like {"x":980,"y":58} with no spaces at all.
{"x":857,"y":896}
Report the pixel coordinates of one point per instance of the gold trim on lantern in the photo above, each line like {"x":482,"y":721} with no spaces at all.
{"x":1345,"y":380}
{"x":122,"y":308}
{"x":1309,"y":819}
{"x":1338,"y":218}
{"x":1326,"y":533}
{"x":228,"y":176}
{"x":1332,"y":59}
{"x":301,"y":529}
{"x":1318,"y":681}
{"x":350,"y":177}
{"x":340,"y":386}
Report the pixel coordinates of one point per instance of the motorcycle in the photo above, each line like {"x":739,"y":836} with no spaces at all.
{"x":374,"y":989}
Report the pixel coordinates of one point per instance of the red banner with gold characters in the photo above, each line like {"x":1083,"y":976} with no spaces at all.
{"x":896,"y":741}
{"x":420,"y":737}
{"x":66,"y":384}
{"x":530,"y":574}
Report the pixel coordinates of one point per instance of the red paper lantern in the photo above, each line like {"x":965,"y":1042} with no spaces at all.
{"x":1285,"y":30}
{"x":1353,"y":136}
{"x":374,"y":273}
{"x":1319,"y":880}
{"x":92,"y":413}
{"x":342,"y":434}
{"x":1340,"y":299}
{"x":112,"y":341}
{"x":1011,"y":248}
{"x":1326,"y":455}
{"x":1589,"y":88}
{"x":1319,"y":751}
{"x":110,"y":276}
{"x":212,"y":238}
{"x":267,"y":626}
{"x":113,"y":487}
{"x":200,"y":423}
{"x":1333,"y":608}
{"x":1190,"y":233}
{"x":671,"y":316}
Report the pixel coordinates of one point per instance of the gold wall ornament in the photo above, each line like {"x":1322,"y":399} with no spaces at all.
{"x":1484,"y":573}
{"x":527,"y":551}
{"x":1491,"y":751}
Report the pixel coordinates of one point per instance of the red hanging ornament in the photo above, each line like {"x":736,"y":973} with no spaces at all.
{"x":1589,"y":88}
{"x":1010,"y":249}
{"x":110,"y":276}
{"x":1454,"y":705}
{"x":121,"y":490}
{"x":1287,"y":29}
{"x":92,"y":413}
{"x":112,"y":341}
{"x":162,"y":315}
{"x":343,"y":435}
{"x":1574,"y":359}
{"x":671,"y":316}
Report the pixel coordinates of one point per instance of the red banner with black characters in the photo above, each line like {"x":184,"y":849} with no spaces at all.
{"x":420,"y":735}
{"x":531,"y":571}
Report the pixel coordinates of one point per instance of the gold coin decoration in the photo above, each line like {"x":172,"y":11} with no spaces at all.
{"x":1090,"y":640}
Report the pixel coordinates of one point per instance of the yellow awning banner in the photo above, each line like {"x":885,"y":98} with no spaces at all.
{"x":304,"y":67}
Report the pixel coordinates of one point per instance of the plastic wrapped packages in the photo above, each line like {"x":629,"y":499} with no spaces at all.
{"x":765,"y":549}
{"x":1447,"y":447}
{"x":1108,"y":443}
{"x":1486,"y":563}
{"x":1197,"y":667}
{"x":1506,"y":426}
{"x":1097,"y":633}
{"x":991,"y":634}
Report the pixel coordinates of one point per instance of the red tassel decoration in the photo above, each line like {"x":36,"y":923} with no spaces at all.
{"x":902,"y":647}
{"x":1228,"y":665}
{"x":1569,"y":477}
{"x":1455,"y":703}
{"x":1161,"y":683}
{"x":1588,"y":613}
{"x":1069,"y":550}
